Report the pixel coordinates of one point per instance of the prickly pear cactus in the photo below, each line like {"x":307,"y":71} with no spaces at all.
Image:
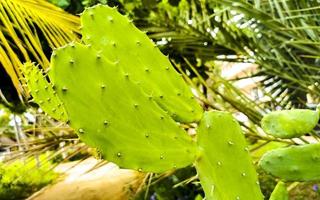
{"x":290,"y":123}
{"x":117,"y":39}
{"x":280,"y":192}
{"x":294,"y":163}
{"x":224,"y":166}
{"x":109,"y":111}
{"x":43,"y":93}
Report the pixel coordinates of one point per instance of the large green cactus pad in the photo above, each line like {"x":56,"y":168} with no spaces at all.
{"x":111,"y":113}
{"x":290,"y":123}
{"x":224,"y":165}
{"x":294,"y":163}
{"x":120,"y":41}
{"x":280,"y":192}
{"x":43,"y":93}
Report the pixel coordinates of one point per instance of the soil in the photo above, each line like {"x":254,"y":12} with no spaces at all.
{"x":86,"y":181}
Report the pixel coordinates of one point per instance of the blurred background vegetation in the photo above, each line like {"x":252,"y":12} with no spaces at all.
{"x":246,"y":56}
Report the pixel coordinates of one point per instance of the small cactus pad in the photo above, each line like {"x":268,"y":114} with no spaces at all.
{"x":43,"y":93}
{"x":111,"y":113}
{"x":280,"y":192}
{"x":290,"y":123}
{"x":294,"y":163}
{"x":224,"y":165}
{"x":115,"y":36}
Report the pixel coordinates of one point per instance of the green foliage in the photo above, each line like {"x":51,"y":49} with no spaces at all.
{"x":294,"y":163}
{"x":280,"y":192}
{"x":290,"y":123}
{"x":43,"y":93}
{"x":224,"y":165}
{"x":20,"y":179}
{"x":140,"y":59}
{"x":110,"y":112}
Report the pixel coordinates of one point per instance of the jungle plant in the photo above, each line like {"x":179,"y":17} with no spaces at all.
{"x":140,"y":127}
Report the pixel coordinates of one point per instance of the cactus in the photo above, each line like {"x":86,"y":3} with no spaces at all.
{"x":294,"y":163}
{"x":121,"y":95}
{"x":280,"y":192}
{"x":224,"y":165}
{"x":109,"y":111}
{"x":43,"y":93}
{"x":290,"y":123}
{"x":120,"y":41}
